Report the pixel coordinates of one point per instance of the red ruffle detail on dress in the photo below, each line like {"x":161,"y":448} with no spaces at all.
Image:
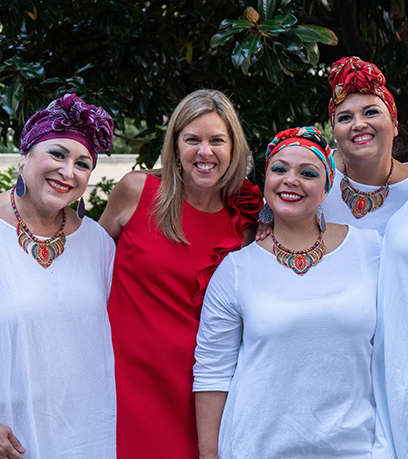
{"x":244,"y":209}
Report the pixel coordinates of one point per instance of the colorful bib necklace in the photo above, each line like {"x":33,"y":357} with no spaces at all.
{"x":361,"y":202}
{"x":299,"y":261}
{"x":43,"y":251}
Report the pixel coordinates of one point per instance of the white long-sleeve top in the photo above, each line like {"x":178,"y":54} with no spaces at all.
{"x":57,"y":387}
{"x":391,"y":341}
{"x":294,"y":353}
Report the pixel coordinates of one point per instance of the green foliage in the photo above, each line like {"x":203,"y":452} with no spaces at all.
{"x":8,"y":179}
{"x":98,"y":202}
{"x":277,"y":44}
{"x":138,"y":59}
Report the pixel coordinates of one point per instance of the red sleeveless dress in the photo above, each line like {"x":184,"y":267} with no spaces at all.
{"x":157,"y":290}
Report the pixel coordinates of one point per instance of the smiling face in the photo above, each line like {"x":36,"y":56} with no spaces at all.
{"x":204,"y":149}
{"x":364,"y":127}
{"x":56,"y":173}
{"x":295,"y":183}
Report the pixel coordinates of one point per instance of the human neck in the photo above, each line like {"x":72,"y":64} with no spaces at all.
{"x":40,"y":222}
{"x":368,"y":171}
{"x":296,"y":235}
{"x":206,"y":202}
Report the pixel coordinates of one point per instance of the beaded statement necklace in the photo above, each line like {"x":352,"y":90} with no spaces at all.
{"x":360,"y":202}
{"x":44,"y":251}
{"x":299,"y":261}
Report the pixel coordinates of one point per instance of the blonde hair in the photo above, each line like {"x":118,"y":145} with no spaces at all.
{"x":168,"y":203}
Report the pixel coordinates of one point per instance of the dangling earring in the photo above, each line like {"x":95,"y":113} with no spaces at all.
{"x":266,"y":214}
{"x":81,"y":208}
{"x":179,"y":166}
{"x":320,"y":219}
{"x":20,"y":185}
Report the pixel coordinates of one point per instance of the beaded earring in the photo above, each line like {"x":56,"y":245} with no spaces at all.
{"x":266,"y":214}
{"x":320,"y":219}
{"x":81,"y":208}
{"x":20,"y":185}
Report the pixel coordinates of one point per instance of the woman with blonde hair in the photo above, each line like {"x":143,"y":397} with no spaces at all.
{"x":173,"y":228}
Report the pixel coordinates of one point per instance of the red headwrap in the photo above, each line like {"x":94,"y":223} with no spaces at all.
{"x":351,"y":74}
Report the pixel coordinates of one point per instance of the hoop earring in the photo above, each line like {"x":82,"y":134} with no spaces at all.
{"x":20,"y":185}
{"x":266,"y":214}
{"x":321,"y":221}
{"x":81,"y":208}
{"x":179,"y":166}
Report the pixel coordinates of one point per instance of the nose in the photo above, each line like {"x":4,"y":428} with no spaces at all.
{"x":205,"y":150}
{"x":291,"y":178}
{"x":359,"y":121}
{"x":67,"y":169}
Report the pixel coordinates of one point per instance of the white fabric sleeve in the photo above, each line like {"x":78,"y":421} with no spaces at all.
{"x":219,"y":335}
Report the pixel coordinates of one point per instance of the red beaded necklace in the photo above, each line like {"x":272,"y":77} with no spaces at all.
{"x":44,"y":251}
{"x":299,"y":261}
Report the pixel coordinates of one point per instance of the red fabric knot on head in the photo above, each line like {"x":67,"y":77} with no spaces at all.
{"x":351,"y":74}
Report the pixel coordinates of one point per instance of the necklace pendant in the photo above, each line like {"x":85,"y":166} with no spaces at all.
{"x":299,"y":262}
{"x":360,"y":205}
{"x":360,"y":202}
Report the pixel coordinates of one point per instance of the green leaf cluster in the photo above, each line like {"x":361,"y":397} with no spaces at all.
{"x":278,"y":44}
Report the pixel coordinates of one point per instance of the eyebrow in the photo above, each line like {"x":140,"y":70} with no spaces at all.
{"x":300,"y":165}
{"x":364,"y":108}
{"x":212,"y":135}
{"x":68,"y":151}
{"x":65,"y":149}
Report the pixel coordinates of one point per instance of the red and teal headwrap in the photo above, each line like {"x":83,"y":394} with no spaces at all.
{"x":308,"y":137}
{"x":351,"y":74}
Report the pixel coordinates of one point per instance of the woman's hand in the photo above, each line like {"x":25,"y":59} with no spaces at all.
{"x":263,"y":230}
{"x":10,"y":446}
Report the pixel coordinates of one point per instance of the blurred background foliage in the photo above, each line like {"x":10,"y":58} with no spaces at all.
{"x":138,"y":59}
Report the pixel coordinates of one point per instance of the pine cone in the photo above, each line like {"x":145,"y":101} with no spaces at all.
{"x":251,"y":15}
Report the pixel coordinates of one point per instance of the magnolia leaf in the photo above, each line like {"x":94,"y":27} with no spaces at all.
{"x":240,"y":24}
{"x":326,"y":36}
{"x":222,"y":37}
{"x":272,"y":66}
{"x":267,"y":8}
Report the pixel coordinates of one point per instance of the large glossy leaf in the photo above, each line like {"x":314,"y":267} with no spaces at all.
{"x":11,"y":97}
{"x":326,"y":36}
{"x":254,"y":46}
{"x":312,"y":52}
{"x":289,"y":61}
{"x":280,"y":23}
{"x":26,"y":70}
{"x":305,"y":33}
{"x":247,"y":52}
{"x":288,"y":41}
{"x":267,"y":9}
{"x":240,"y":24}
{"x":272,"y":66}
{"x":222,"y":37}
{"x":237,"y":56}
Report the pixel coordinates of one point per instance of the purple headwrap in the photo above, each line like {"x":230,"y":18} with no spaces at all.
{"x":70,"y":117}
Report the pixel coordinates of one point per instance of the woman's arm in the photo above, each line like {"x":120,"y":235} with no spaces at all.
{"x":209,"y":408}
{"x":10,"y":446}
{"x":122,"y":203}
